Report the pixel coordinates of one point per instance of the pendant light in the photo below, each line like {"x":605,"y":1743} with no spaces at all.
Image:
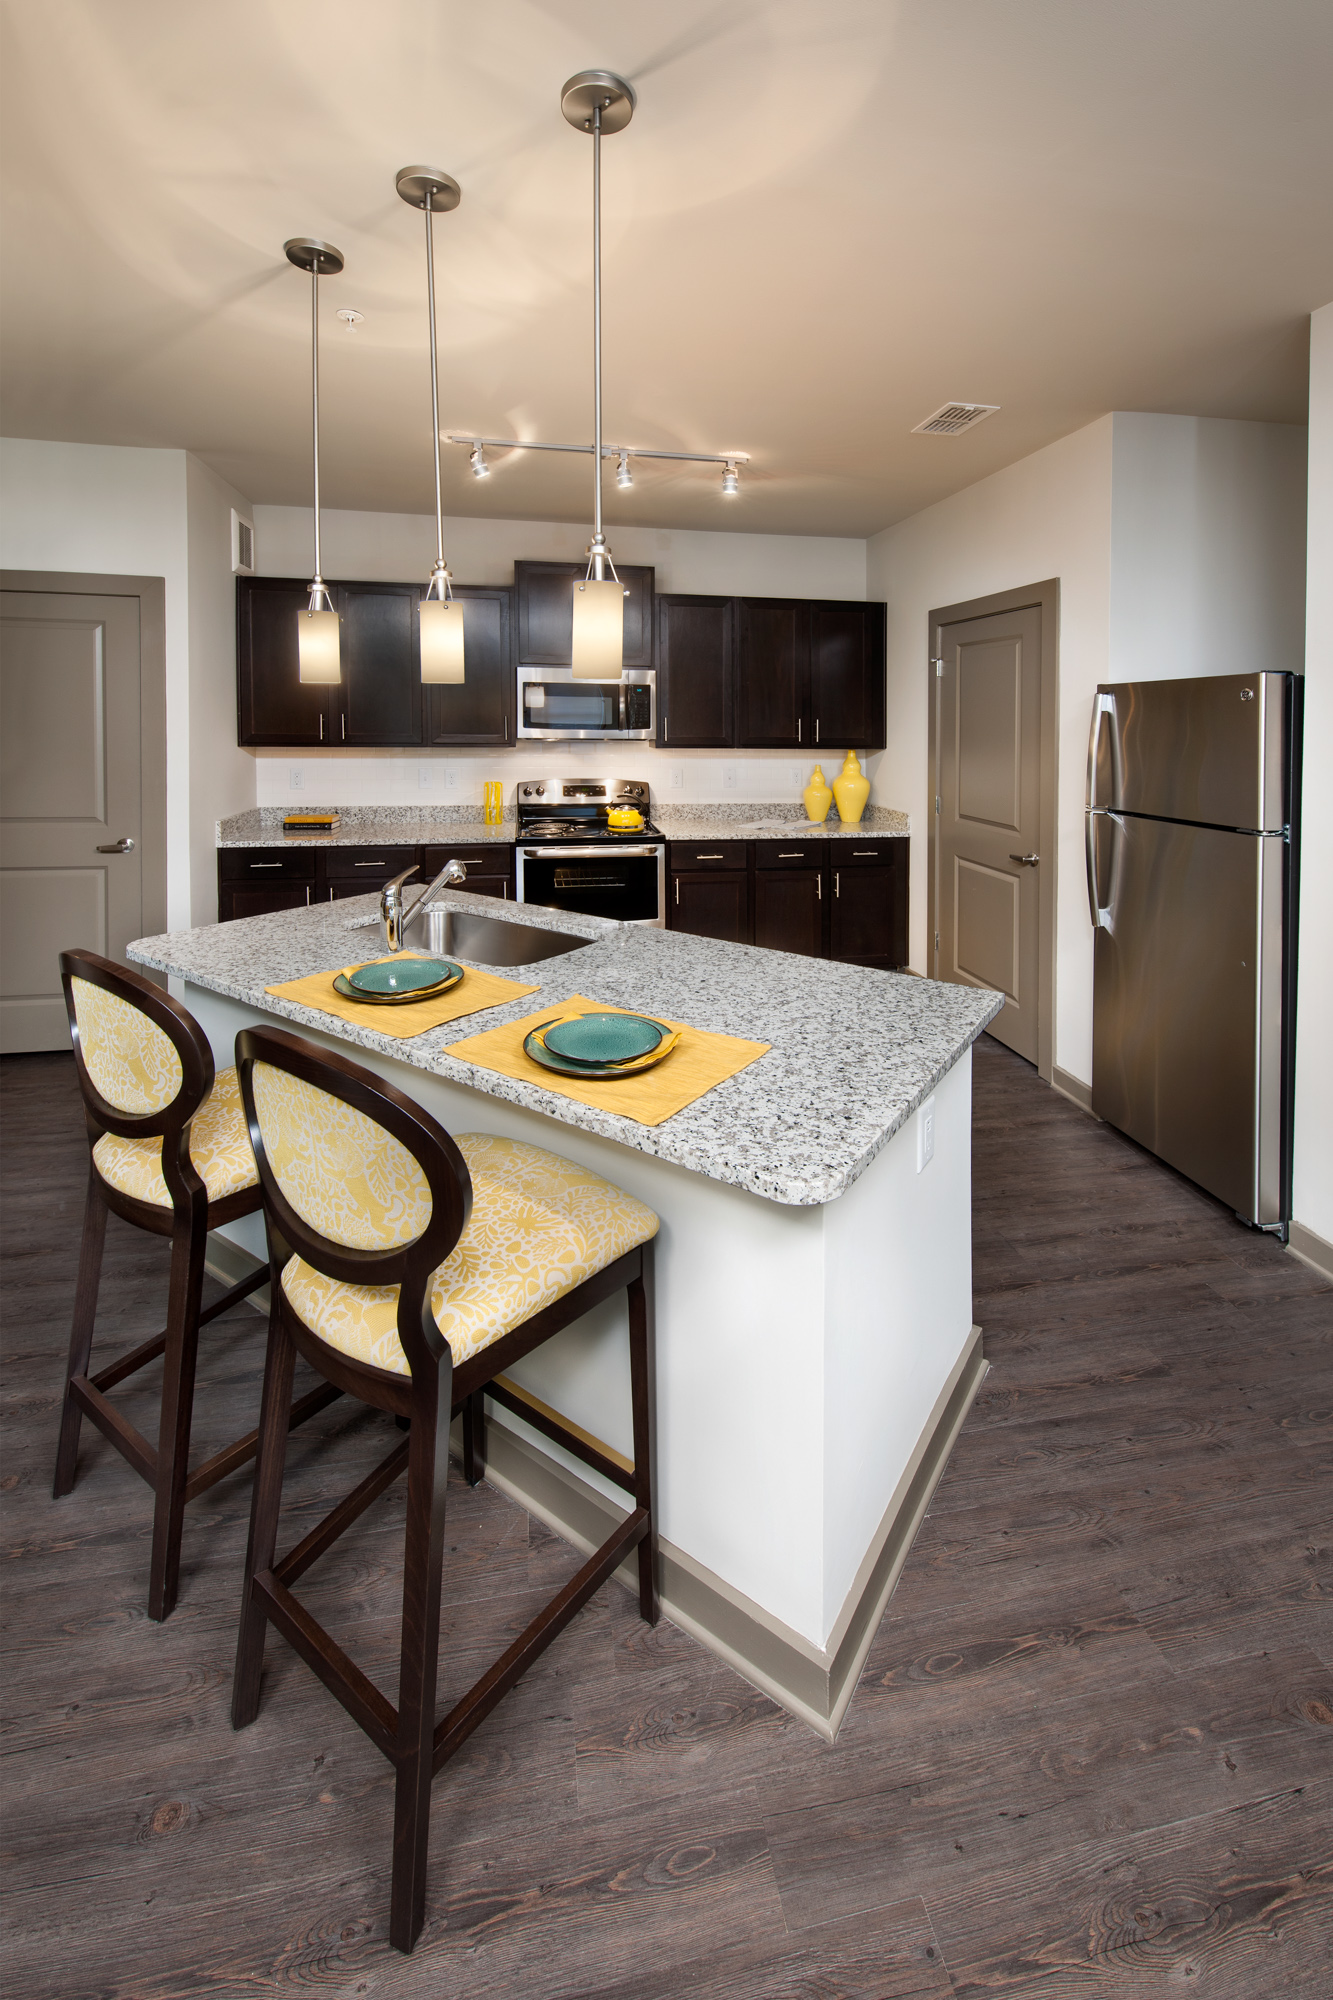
{"x":595,"y":101}
{"x":441,"y":615}
{"x":318,"y":624}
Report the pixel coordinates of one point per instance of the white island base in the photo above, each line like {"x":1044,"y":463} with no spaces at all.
{"x":814,"y":1366}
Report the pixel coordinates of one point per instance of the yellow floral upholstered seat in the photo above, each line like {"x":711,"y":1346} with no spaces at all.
{"x":219,"y":1149}
{"x":539,"y":1226}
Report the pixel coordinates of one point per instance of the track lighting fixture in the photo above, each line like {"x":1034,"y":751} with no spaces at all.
{"x":441,"y":617}
{"x":624,"y":477}
{"x":318,"y":651}
{"x":477,"y":462}
{"x":731,"y":479}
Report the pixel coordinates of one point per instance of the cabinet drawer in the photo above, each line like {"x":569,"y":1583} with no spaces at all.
{"x":371,"y":865}
{"x":706,"y":854}
{"x":790,"y":853}
{"x":488,"y":861}
{"x":863,"y":853}
{"x":266,"y":864}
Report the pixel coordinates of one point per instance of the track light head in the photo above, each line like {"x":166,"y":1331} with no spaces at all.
{"x":731,"y":482}
{"x":624,"y":477}
{"x":477,"y":461}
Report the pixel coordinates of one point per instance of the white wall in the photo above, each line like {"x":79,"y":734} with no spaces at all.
{"x":1049,"y":515}
{"x":221,"y":775}
{"x":394,"y":547}
{"x":1313,"y":1163}
{"x":118,"y":510}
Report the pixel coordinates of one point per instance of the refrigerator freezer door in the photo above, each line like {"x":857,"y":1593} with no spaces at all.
{"x":1187,"y":1005}
{"x":1212,"y":751}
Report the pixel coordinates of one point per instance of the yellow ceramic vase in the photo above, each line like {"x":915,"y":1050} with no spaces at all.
{"x":851,"y":789}
{"x":817,"y":796}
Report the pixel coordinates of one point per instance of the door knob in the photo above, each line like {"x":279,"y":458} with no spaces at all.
{"x":1026,"y":860}
{"x":125,"y":846}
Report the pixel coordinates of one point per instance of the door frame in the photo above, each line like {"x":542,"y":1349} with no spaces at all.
{"x":1045,"y":597}
{"x":151,"y":592}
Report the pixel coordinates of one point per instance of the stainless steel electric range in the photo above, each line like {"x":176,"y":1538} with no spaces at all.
{"x":567,"y":857}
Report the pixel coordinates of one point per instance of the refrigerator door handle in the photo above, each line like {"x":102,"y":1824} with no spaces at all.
{"x":1103,"y":704}
{"x":1099,"y":912}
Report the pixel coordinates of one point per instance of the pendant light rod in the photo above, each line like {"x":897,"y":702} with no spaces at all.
{"x":321,"y":260}
{"x":597,"y":536}
{"x":434,"y":386}
{"x":429,"y":189}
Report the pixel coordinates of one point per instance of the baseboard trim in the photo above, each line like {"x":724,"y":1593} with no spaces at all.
{"x":1312,"y":1249}
{"x":813,"y":1683}
{"x":1072,"y":1087}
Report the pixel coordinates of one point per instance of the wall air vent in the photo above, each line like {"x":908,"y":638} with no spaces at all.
{"x":950,"y":418}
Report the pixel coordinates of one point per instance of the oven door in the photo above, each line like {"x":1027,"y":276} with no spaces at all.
{"x":554,"y":707}
{"x":625,"y":883}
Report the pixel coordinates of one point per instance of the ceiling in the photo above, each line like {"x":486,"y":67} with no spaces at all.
{"x":824,"y":221}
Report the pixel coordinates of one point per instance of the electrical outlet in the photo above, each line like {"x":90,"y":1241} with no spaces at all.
{"x":295,"y":778}
{"x":728,"y":777}
{"x":425,"y":776}
{"x":796,"y":775}
{"x":677,"y":777}
{"x":925,"y":1134}
{"x":451,"y":777}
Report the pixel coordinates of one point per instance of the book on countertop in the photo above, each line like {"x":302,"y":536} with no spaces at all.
{"x":311,"y":822}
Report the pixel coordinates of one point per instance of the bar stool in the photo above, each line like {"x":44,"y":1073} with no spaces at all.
{"x":169,"y":1153}
{"x":409,"y":1268}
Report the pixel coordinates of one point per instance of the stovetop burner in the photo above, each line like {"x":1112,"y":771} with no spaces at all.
{"x":576,"y":809}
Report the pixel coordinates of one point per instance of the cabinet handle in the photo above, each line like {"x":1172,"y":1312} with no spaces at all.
{"x":819,"y":888}
{"x":266,"y":864}
{"x":837,"y":888}
{"x":710,"y":857}
{"x":677,"y":892}
{"x":864,"y":854}
{"x":367,"y":864}
{"x":307,"y":899}
{"x":343,"y":719}
{"x":798,"y":729}
{"x":321,"y":729}
{"x":816,"y":729}
{"x":798,"y":856}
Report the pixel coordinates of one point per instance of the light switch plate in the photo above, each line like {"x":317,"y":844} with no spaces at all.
{"x":425,"y":776}
{"x":925,"y":1134}
{"x":728,"y":777}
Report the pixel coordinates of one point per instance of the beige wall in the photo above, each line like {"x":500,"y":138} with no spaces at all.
{"x":390,"y":547}
{"x":1313,"y":1164}
{"x":222,"y":776}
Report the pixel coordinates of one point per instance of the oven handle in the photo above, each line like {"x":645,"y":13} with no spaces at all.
{"x":603,"y":853}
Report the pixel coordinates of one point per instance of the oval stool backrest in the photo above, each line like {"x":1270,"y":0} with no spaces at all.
{"x":133,"y":1064}
{"x":344,"y":1175}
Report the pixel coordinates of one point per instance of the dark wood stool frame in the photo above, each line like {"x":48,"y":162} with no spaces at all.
{"x":187,"y":1222}
{"x":428,"y":1398}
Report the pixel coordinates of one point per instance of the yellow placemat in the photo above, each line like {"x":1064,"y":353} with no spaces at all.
{"x":474,"y":992}
{"x":697,"y":1064}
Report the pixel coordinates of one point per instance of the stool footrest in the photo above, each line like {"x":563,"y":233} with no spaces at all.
{"x":298,"y":1560}
{"x":326,"y":1658}
{"x":231,"y":1298}
{"x":130,"y":1443}
{"x":227,"y":1460}
{"x":551,"y":1424}
{"x":482,"y":1697}
{"x":138,"y":1357}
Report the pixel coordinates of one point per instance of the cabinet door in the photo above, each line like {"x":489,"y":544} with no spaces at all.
{"x":379,"y":698}
{"x":545,"y":593}
{"x":696,"y":671}
{"x":273,"y":705}
{"x":789,"y":910}
{"x":847,"y":675}
{"x":868,"y":912}
{"x":490,"y":867}
{"x":478,"y":709}
{"x":774,"y":674}
{"x":713,"y":905}
{"x":239,"y":899}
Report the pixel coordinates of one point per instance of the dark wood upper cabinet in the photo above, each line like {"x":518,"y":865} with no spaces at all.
{"x":379,"y":698}
{"x":545,"y":592}
{"x":273,"y":705}
{"x":847,"y":675}
{"x":774,"y":698}
{"x":478,"y":709}
{"x":696,"y":670}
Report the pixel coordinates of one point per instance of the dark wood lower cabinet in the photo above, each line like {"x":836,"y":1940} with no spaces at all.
{"x":868,"y":910}
{"x":255,"y":881}
{"x":239,"y":899}
{"x":789,"y":910}
{"x":711,"y":905}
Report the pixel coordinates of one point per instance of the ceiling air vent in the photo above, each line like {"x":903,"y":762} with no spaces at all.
{"x":950,"y":418}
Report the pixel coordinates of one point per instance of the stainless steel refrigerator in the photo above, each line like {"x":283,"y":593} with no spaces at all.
{"x":1191,"y":857}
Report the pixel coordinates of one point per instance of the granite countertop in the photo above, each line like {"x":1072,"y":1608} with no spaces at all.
{"x":419,"y":826}
{"x":853,"y":1053}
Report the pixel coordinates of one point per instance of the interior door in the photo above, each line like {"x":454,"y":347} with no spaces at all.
{"x":988,"y":794}
{"x":71,"y":829}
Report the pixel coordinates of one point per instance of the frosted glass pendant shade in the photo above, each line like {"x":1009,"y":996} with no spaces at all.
{"x":441,"y":641}
{"x":319,"y":654}
{"x":598,"y":652}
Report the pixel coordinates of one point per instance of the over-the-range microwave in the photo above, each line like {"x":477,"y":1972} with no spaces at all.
{"x":554,"y":706}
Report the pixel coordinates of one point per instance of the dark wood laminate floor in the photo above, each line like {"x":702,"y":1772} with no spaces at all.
{"x":1091,"y":1752}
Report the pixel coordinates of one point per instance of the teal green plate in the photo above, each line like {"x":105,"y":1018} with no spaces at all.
{"x":410,"y":975}
{"x":599,"y":1040}
{"x":421,"y":994}
{"x":581,"y":1072}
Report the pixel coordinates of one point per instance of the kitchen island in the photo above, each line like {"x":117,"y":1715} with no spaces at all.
{"x":816,"y":1353}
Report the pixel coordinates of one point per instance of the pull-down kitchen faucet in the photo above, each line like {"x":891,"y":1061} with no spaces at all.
{"x":396,"y":918}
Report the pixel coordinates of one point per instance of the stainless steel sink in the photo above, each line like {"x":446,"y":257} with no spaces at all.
{"x":489,"y":939}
